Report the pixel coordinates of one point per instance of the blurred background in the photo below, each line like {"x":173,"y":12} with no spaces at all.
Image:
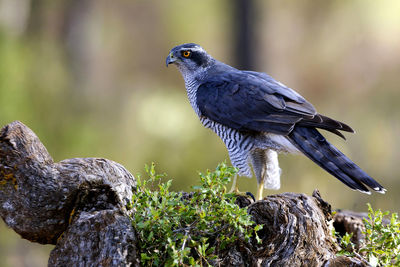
{"x":89,"y":78}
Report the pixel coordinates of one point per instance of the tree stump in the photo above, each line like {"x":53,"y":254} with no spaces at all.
{"x":80,"y":206}
{"x":77,"y":204}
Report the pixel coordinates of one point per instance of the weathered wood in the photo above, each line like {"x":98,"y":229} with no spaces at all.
{"x":96,"y":238}
{"x":350,"y":222}
{"x":297,"y":232}
{"x":79,"y":205}
{"x":303,"y":233}
{"x":65,"y":203}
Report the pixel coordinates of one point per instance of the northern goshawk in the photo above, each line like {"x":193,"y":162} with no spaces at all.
{"x":257,"y":117}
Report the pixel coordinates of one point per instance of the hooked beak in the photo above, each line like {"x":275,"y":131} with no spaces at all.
{"x":170,"y":59}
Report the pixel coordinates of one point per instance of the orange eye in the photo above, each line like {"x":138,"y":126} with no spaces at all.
{"x":186,"y":53}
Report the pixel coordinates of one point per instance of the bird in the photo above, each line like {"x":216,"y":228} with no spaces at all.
{"x":258,"y":117}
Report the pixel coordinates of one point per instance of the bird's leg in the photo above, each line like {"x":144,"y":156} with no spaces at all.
{"x":234,"y":187}
{"x":266,"y":169}
{"x":258,"y":158}
{"x":260,"y":190}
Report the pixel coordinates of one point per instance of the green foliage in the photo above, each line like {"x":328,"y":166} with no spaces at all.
{"x":188,"y":230}
{"x":382,"y":241}
{"x":345,"y":243}
{"x":381,"y":246}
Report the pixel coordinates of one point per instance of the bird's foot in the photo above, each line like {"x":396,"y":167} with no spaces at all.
{"x":244,"y":199}
{"x":239,"y":193}
{"x":235,"y":191}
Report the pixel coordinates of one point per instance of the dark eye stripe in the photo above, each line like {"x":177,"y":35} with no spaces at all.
{"x":199,"y":58}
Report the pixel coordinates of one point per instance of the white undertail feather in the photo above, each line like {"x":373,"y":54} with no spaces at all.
{"x":281,"y":143}
{"x":273,"y":175}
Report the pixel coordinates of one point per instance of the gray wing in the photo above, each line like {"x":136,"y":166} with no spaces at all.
{"x":255,"y":102}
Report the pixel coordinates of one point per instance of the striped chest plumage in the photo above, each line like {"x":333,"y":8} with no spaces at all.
{"x":191,"y":90}
{"x":238,"y":144}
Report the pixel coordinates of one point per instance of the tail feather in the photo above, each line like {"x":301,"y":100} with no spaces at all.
{"x":326,"y":123}
{"x":309,"y":141}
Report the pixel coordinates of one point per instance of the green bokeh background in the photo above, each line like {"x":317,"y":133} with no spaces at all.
{"x":89,"y":78}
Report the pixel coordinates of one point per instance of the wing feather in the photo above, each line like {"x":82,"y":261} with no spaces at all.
{"x":254,"y":102}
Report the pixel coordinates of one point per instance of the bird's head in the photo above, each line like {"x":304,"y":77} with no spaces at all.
{"x":189,"y":58}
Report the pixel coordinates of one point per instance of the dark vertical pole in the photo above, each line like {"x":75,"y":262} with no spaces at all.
{"x":35,"y":21}
{"x":244,"y":33}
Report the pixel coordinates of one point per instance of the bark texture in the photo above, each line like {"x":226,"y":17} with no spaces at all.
{"x":350,"y":222}
{"x":297,"y":231}
{"x":80,"y":206}
{"x":304,"y":236}
{"x":77,"y":204}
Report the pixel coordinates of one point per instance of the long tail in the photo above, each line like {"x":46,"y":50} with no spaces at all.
{"x":309,"y":141}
